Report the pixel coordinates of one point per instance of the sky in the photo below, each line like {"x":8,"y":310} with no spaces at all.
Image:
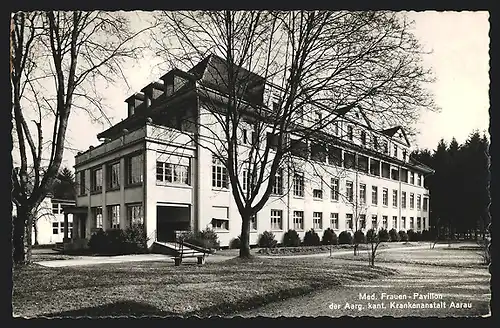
{"x":459,"y":43}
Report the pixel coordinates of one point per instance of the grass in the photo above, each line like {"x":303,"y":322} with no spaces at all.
{"x":444,"y":256}
{"x":159,"y":288}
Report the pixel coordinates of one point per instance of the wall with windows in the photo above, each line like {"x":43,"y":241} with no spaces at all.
{"x":50,"y":223}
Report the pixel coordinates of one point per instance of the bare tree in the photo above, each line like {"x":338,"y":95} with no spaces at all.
{"x":58,"y":60}
{"x":375,"y":236}
{"x":303,"y":61}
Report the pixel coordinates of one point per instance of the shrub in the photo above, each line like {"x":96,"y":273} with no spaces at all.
{"x":205,"y":238}
{"x":359,"y":237}
{"x":235,"y":243}
{"x":383,"y":235}
{"x":135,"y":239}
{"x":291,"y":239}
{"x":371,"y":235}
{"x":98,"y":242}
{"x":329,"y":237}
{"x":403,"y":236}
{"x":267,"y":240}
{"x":418,"y":236}
{"x":311,"y":238}
{"x":411,"y":235}
{"x":393,"y":234}
{"x":345,"y":237}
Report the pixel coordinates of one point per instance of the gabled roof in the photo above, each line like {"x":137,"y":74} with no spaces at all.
{"x":391,"y":132}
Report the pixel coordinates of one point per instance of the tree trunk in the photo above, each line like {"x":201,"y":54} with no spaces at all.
{"x":245,"y":237}
{"x":29,"y":229}
{"x":18,"y":230}
{"x":35,"y":229}
{"x":355,"y":249}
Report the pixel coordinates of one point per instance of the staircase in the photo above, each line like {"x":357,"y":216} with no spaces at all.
{"x":180,"y":251}
{"x":59,"y":247}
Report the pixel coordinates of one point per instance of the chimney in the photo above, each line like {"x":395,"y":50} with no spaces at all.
{"x":133,"y":102}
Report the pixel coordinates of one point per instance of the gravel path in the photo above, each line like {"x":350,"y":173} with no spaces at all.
{"x":447,"y":285}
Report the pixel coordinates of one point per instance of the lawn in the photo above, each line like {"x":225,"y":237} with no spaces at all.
{"x":454,"y":256}
{"x":159,"y":288}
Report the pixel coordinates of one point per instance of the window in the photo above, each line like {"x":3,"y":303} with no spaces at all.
{"x":298,"y":220}
{"x":82,"y":183}
{"x":404,"y":175}
{"x":418,"y":179}
{"x":349,"y":194}
{"x":348,"y":221}
{"x":135,"y":214}
{"x":412,"y":201}
{"x":419,"y":223}
{"x":96,"y":179}
{"x":394,"y":198}
{"x":404,"y":155}
{"x":374,"y":222}
{"x":317,"y":220}
{"x":218,"y":224}
{"x":362,"y":164}
{"x":318,"y":152}
{"x":350,"y":132}
{"x":173,"y":173}
{"x":349,"y":160}
{"x":386,"y":172}
{"x":363,"y":138}
{"x":61,"y":225}
{"x":219,"y":174}
{"x":220,"y":218}
{"x":419,"y":202}
{"x":403,"y":222}
{"x":362,"y":221}
{"x":386,"y":147}
{"x":97,"y":217}
{"x":56,"y":209}
{"x":336,"y":128}
{"x":246,"y":179}
{"x":374,"y":195}
{"x":334,"y":221}
{"x":244,"y":133}
{"x":134,"y":169}
{"x":272,"y":141}
{"x":278,"y":183}
{"x":114,"y":216}
{"x":298,"y":184}
{"x":385,"y":197}
{"x":411,"y":223}
{"x":384,"y":221}
{"x":395,"y":222}
{"x":299,"y":148}
{"x":253,"y":223}
{"x":318,"y":117}
{"x":335,"y":189}
{"x":426,"y":200}
{"x":318,"y":193}
{"x":335,"y":156}
{"x":395,"y":174}
{"x":276,"y":219}
{"x":362,"y":194}
{"x":423,"y":223}
{"x":375,"y":142}
{"x":412,"y":178}
{"x":113,"y":176}
{"x":403,"y":199}
{"x":55,"y":228}
{"x":395,"y":151}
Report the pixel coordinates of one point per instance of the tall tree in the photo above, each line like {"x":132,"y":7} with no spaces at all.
{"x":340,"y":60}
{"x":74,"y":51}
{"x":65,"y":185}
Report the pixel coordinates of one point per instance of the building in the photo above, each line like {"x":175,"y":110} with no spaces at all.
{"x":149,"y":169}
{"x":49,"y":221}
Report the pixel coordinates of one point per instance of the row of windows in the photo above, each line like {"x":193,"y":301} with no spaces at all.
{"x":57,"y":208}
{"x":134,"y":175}
{"x":276,"y":221}
{"x":58,"y":227}
{"x":135,"y":215}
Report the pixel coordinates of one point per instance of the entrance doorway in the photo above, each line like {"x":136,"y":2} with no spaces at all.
{"x":172,"y":218}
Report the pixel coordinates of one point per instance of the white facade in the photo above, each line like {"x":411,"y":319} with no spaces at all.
{"x":157,"y":175}
{"x":50,"y":221}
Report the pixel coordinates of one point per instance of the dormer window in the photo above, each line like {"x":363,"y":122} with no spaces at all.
{"x":395,"y":151}
{"x":363,"y":138}
{"x":404,"y":155}
{"x":350,"y":131}
{"x":375,"y":142}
